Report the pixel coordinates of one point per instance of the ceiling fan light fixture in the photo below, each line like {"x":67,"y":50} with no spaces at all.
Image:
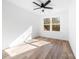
{"x":43,"y":10}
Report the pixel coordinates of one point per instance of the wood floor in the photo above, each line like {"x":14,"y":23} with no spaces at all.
{"x":47,"y":48}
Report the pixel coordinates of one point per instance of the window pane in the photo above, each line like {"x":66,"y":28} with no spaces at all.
{"x":47,"y":27}
{"x":47,"y":21}
{"x":55,"y":21}
{"x":55,"y":27}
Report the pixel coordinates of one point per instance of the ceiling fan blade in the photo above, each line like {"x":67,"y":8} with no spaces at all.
{"x":37,"y":8}
{"x":36,"y":3}
{"x":48,"y":7}
{"x":47,"y":2}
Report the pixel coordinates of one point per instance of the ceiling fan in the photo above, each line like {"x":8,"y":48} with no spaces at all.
{"x":43,"y":5}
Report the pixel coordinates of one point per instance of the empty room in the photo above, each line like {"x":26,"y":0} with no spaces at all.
{"x":38,"y":29}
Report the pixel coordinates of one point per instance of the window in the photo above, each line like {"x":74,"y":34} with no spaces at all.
{"x":51,"y":24}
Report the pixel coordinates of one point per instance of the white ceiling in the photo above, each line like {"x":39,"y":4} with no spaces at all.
{"x":58,"y":5}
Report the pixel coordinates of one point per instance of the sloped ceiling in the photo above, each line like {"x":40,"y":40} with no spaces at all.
{"x":58,"y":5}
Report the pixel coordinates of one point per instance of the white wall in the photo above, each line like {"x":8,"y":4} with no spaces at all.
{"x":16,"y":21}
{"x":63,"y":33}
{"x":72,"y":26}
